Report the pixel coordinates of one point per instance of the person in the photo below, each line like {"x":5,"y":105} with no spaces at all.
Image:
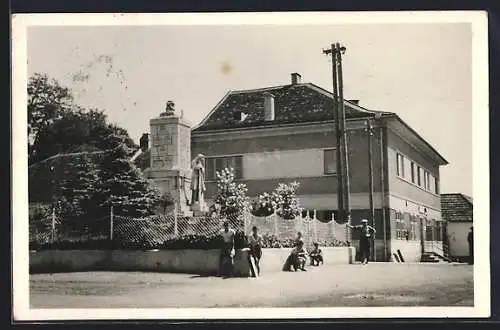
{"x":298,"y":240}
{"x":316,"y":255}
{"x":299,"y":257}
{"x":364,"y":240}
{"x":255,"y":242}
{"x":197,"y":179}
{"x":470,"y":239}
{"x":226,"y":262}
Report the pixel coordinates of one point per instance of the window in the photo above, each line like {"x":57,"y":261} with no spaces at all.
{"x":413,"y":228}
{"x":426,"y":179}
{"x":400,"y":165}
{"x":217,"y":164}
{"x":419,"y":175}
{"x":436,"y":186}
{"x":412,"y":172}
{"x":399,"y":221}
{"x":330,"y":161}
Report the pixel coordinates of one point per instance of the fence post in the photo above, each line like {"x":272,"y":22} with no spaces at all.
{"x":111,"y":219}
{"x":176,"y":228}
{"x":53,"y":225}
{"x":275,"y":225}
{"x":245,"y":215}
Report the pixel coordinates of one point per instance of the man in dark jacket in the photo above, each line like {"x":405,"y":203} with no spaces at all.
{"x":470,"y":239}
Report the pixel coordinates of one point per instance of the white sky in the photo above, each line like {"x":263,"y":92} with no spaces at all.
{"x":422,"y":72}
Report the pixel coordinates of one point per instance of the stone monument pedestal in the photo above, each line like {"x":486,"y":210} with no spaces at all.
{"x":199,"y":208}
{"x":175,"y":182}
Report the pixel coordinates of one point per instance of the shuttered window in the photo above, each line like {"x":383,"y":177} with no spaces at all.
{"x":217,"y":164}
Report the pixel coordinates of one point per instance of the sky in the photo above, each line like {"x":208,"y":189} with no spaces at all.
{"x":422,"y":72}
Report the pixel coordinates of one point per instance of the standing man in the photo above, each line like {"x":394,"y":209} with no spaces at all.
{"x":227,"y":253}
{"x":366,"y":232}
{"x":470,"y":239}
{"x":255,"y":241}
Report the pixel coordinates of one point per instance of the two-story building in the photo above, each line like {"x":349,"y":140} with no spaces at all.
{"x":286,"y":133}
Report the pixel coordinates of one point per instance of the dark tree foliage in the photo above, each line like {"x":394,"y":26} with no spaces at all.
{"x":123,"y":186}
{"x":47,"y":102}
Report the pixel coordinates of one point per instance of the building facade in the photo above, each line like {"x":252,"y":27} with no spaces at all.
{"x":457,"y":211}
{"x":286,"y":133}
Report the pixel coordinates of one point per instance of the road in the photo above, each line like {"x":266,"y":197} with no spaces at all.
{"x":376,"y":284}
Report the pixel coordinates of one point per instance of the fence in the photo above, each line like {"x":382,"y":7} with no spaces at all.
{"x":154,"y":230}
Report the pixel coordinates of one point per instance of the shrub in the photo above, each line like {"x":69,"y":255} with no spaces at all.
{"x":264,"y":205}
{"x":286,"y":200}
{"x":231,"y":197}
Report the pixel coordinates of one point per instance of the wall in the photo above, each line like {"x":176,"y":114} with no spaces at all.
{"x":401,"y":188}
{"x":457,"y":237}
{"x":174,"y":261}
{"x":411,"y":250}
{"x":301,"y":154}
{"x":274,"y":259}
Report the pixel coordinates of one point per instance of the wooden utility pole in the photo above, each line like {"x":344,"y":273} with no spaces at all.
{"x":338,"y":136}
{"x":369,"y":130}
{"x":345,"y":153}
{"x":343,"y":191}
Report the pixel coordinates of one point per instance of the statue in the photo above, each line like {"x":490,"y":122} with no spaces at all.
{"x":198,"y":179}
{"x":169,"y":109}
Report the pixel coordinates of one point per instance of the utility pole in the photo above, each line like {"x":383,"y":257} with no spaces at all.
{"x":338,"y":136}
{"x":369,"y":130}
{"x":344,"y":201}
{"x":345,"y":153}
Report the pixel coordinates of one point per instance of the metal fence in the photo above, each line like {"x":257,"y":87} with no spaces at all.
{"x":155,"y":230}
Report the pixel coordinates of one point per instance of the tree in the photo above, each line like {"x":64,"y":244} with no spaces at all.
{"x":47,"y":102}
{"x":231,"y":197}
{"x":78,"y":130}
{"x":124,"y":187}
{"x":78,"y":187}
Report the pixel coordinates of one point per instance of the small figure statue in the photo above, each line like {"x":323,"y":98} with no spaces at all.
{"x":197,"y":179}
{"x":169,"y":109}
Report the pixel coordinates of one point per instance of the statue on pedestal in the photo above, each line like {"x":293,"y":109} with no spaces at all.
{"x":169,"y":109}
{"x":198,"y":180}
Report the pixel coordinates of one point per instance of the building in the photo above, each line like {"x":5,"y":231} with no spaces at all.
{"x":457,"y":211}
{"x":286,"y":133}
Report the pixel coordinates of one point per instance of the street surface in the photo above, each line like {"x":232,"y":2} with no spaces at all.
{"x":376,"y":284}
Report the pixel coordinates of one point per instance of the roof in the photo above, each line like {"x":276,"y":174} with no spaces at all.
{"x":456,"y":207}
{"x":295,"y":103}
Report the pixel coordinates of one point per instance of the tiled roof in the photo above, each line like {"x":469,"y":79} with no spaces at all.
{"x":292,"y":104}
{"x":456,"y":207}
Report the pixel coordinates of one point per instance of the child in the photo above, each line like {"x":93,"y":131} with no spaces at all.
{"x":255,"y":241}
{"x":299,"y":257}
{"x":316,"y":255}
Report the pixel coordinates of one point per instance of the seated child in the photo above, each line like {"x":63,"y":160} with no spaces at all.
{"x":299,"y":257}
{"x":296,"y":259}
{"x":316,"y":255}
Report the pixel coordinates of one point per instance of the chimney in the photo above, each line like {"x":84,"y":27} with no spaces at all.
{"x":144,"y":142}
{"x":354,"y":101}
{"x":296,"y":78}
{"x":268,"y":107}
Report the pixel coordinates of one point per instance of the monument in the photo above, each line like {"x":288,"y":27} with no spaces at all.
{"x":171,"y":169}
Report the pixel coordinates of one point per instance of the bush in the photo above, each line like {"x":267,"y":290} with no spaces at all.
{"x":187,"y":242}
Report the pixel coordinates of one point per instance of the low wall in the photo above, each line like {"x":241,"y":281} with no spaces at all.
{"x":204,"y":262}
{"x":274,"y":259}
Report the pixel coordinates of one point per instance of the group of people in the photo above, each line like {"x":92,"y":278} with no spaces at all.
{"x":296,"y":260}
{"x":298,"y":257}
